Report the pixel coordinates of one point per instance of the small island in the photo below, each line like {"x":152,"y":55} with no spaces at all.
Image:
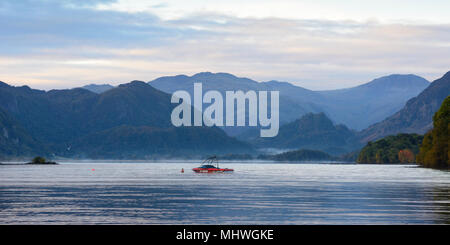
{"x":41,"y":161}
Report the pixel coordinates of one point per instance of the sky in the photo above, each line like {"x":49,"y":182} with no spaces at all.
{"x":318,"y":45}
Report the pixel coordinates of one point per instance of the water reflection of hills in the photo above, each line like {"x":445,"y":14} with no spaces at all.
{"x":441,"y":198}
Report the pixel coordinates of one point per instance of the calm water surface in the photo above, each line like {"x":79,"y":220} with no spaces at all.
{"x":256,"y":193}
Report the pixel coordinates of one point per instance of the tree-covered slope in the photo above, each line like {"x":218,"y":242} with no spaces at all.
{"x":435,"y":150}
{"x":15,"y":141}
{"x":400,"y":148}
{"x":134,"y":142}
{"x":77,"y":122}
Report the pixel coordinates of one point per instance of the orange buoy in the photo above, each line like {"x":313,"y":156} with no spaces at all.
{"x":182,"y":170}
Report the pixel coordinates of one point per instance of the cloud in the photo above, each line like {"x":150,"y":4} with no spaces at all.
{"x":69,"y":43}
{"x":30,"y":24}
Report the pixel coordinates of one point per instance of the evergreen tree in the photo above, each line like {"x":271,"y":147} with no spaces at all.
{"x":434,"y":151}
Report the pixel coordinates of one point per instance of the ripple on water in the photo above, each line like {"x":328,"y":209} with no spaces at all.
{"x":157,"y":193}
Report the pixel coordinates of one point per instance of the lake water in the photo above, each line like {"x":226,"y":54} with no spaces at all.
{"x":256,"y":193}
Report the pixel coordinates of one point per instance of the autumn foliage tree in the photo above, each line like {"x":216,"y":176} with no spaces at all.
{"x":406,"y":156}
{"x":434,"y":150}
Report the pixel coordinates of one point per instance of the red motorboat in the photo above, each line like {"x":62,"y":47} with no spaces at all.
{"x":211,"y":165}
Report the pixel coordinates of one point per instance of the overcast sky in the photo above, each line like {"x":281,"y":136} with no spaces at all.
{"x":314,"y":44}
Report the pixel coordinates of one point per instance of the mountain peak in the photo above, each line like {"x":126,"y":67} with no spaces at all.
{"x":398,"y":80}
{"x":98,"y":88}
{"x":313,"y":131}
{"x":134,"y":83}
{"x":203,"y":73}
{"x":210,"y":74}
{"x":314,"y":121}
{"x":446,"y":75}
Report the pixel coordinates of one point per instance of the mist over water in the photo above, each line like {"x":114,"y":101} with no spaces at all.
{"x":263,"y":193}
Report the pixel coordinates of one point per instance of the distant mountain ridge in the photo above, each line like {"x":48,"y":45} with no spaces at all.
{"x":227,"y":82}
{"x":416,"y":116}
{"x":356,"y":107}
{"x":80,"y":123}
{"x":133,"y":120}
{"x":369,"y":103}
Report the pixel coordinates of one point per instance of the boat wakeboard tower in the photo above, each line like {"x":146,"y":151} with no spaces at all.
{"x":211,"y":165}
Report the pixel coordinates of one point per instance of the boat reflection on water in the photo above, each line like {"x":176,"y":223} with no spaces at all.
{"x":211,"y":165}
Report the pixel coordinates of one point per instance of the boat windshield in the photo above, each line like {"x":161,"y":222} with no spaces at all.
{"x":207,"y":166}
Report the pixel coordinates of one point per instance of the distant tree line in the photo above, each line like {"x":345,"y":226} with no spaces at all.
{"x":400,"y":148}
{"x":298,"y":155}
